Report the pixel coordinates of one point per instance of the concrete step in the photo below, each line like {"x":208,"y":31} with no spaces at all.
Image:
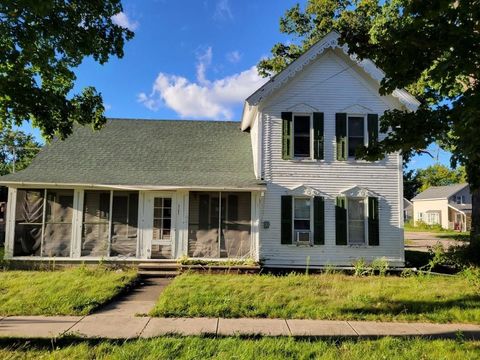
{"x":158,"y":266}
{"x":157,"y":273}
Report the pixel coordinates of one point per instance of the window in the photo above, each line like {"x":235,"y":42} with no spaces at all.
{"x":356,"y":134}
{"x":433,"y":218}
{"x":460,"y":199}
{"x":301,"y":136}
{"x":356,"y":221}
{"x":43,"y":222}
{"x":162,"y":218}
{"x":219,"y":224}
{"x":420,"y":216}
{"x":302,"y":219}
{"x":109,"y":223}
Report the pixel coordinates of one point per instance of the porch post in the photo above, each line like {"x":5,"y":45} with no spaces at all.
{"x":10,"y":224}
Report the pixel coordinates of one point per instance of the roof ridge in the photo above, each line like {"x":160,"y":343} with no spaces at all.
{"x":174,"y":120}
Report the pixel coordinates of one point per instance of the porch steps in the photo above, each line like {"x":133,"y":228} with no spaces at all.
{"x":162,"y":270}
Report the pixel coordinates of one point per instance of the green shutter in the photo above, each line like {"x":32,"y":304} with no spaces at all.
{"x":373,"y":224}
{"x":287,"y":135}
{"x":372,"y":126}
{"x":341,"y":135}
{"x":287,"y":225}
{"x":318,"y":135}
{"x":318,"y":220}
{"x":341,"y":221}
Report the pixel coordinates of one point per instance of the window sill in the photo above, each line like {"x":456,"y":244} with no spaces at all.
{"x":306,"y":160}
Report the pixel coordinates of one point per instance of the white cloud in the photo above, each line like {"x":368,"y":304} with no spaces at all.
{"x":122,"y":20}
{"x":234,"y":56}
{"x":204,"y":98}
{"x":223,"y":10}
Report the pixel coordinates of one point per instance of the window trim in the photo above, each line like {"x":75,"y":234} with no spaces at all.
{"x":365,"y":220}
{"x":311,"y":134}
{"x":294,"y":239}
{"x":365,"y":133}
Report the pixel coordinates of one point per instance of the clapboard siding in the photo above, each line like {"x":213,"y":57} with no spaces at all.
{"x":331,"y":84}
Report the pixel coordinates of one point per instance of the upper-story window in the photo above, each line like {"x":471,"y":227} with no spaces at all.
{"x":356,"y":134}
{"x":460,"y":199}
{"x":302,"y":136}
{"x":354,"y":131}
{"x":302,"y":139}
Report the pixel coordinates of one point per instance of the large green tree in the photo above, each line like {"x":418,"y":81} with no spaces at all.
{"x":429,"y":47}
{"x":41,"y":43}
{"x":17,"y":150}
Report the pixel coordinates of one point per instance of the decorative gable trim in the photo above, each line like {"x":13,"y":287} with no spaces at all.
{"x":330,"y":41}
{"x":356,"y":109}
{"x":302,"y":108}
{"x":305,"y":190}
{"x":358,"y":191}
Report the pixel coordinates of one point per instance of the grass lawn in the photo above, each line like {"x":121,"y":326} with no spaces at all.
{"x":258,"y":349}
{"x":437,"y":229}
{"x":74,"y":291}
{"x":327,"y":296}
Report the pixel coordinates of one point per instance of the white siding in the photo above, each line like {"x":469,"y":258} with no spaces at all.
{"x":330,"y":85}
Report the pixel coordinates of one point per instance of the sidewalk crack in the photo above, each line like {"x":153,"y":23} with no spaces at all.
{"x":216,"y":329}
{"x":352,"y":328}
{"x":71,"y":327}
{"x":143,"y":329}
{"x":288,"y":327}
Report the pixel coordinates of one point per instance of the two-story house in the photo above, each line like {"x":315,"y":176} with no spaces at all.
{"x":449,"y":206}
{"x":282,"y":186}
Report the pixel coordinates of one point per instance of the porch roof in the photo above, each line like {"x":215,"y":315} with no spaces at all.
{"x":132,"y":152}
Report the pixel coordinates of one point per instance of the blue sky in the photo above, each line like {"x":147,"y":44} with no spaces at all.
{"x":190,"y":59}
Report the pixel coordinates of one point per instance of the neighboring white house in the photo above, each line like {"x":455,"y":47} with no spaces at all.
{"x":449,"y":206}
{"x":282,"y":186}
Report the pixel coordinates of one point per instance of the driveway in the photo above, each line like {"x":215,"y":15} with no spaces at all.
{"x":423,"y":241}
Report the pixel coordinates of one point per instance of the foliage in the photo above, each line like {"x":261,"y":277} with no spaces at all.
{"x":193,"y":347}
{"x":380,"y":266}
{"x":330,"y":297}
{"x":185,"y":260}
{"x":423,"y":226}
{"x":74,"y":291}
{"x":411,"y":184}
{"x":40,"y":43}
{"x":16,"y":149}
{"x":440,"y":175}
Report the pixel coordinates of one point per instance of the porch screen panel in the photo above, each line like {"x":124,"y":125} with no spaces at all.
{"x":95,"y":230}
{"x":28,"y":222}
{"x":58,"y":223}
{"x":203,"y":225}
{"x":235,"y":239}
{"x":219,"y":225}
{"x":124,"y":224}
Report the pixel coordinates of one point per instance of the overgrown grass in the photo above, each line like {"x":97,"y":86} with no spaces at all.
{"x":423,"y":227}
{"x":74,"y":291}
{"x":258,"y":349}
{"x":326,"y":296}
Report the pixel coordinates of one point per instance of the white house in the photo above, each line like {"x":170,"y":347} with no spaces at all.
{"x":449,"y":206}
{"x":282,"y":187}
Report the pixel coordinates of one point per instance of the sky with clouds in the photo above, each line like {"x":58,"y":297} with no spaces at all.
{"x":190,"y":59}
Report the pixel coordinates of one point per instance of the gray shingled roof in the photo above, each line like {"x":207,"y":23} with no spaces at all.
{"x":148,"y":152}
{"x":439,"y":192}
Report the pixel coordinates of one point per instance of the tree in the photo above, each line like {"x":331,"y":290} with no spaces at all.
{"x":411,"y":184}
{"x":429,"y":47}
{"x":439,"y":175}
{"x":17,"y":150}
{"x":41,"y":42}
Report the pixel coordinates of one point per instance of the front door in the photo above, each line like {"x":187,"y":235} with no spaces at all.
{"x":162,"y":226}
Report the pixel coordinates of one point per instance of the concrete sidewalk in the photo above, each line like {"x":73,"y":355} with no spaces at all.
{"x":130,"y":327}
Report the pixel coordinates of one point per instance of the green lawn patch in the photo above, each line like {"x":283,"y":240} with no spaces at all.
{"x":258,"y":349}
{"x":74,"y":291}
{"x":422,"y":227}
{"x":326,"y":296}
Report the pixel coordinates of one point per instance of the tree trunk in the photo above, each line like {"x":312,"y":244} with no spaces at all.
{"x":475,"y":230}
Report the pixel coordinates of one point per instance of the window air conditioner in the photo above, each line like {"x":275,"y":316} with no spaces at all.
{"x":304,"y":238}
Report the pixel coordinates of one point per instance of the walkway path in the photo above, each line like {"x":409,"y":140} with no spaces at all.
{"x":129,"y":327}
{"x":120,"y":320}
